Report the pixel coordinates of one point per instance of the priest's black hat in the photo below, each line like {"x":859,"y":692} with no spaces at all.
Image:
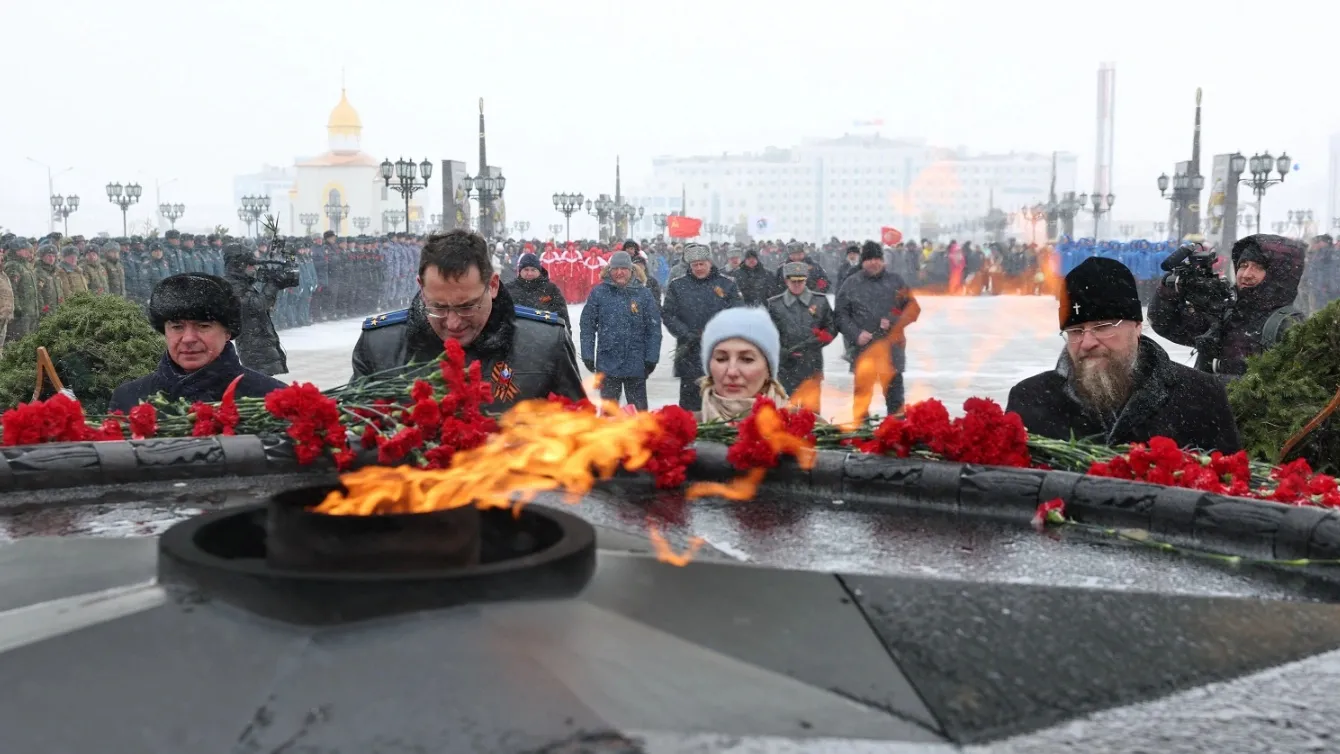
{"x":196,"y":297}
{"x":1099,"y":289}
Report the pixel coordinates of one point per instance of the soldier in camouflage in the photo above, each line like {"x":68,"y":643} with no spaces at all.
{"x":94,"y":273}
{"x":71,"y":279}
{"x":22,"y":278}
{"x":111,"y":266}
{"x":50,"y":293}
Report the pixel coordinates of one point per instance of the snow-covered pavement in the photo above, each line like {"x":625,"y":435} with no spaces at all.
{"x":960,"y":347}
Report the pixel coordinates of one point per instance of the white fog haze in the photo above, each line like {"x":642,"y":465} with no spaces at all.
{"x":182,"y":98}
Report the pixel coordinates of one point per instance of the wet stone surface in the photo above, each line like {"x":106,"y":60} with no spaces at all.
{"x":798,"y":534}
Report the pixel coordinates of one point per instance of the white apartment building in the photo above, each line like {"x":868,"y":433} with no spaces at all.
{"x":849,"y":187}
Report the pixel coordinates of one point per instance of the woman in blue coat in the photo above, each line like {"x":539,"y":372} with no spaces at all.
{"x":621,"y":333}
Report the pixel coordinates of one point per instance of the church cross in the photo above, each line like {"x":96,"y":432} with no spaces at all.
{"x":1076,"y":308}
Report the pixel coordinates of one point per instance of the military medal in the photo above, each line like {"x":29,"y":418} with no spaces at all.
{"x":632,"y":306}
{"x":503,"y":389}
{"x":720,"y":293}
{"x":814,"y":310}
{"x":546,"y":299}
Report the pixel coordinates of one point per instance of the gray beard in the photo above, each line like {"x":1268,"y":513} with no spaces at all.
{"x":1104,"y":388}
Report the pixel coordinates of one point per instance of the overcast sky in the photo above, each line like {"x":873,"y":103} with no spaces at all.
{"x":200,"y":91}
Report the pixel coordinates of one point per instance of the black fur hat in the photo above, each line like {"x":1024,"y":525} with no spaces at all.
{"x":198,"y":297}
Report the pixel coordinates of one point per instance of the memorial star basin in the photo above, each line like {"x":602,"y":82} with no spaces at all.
{"x":183,"y":595}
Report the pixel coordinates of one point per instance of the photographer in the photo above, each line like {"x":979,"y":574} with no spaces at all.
{"x":1195,"y":307}
{"x":257,"y":284}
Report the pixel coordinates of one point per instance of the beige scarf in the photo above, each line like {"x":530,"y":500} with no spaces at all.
{"x":730,"y":409}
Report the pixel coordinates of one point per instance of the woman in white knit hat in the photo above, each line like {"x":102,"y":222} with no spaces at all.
{"x":740,"y":351}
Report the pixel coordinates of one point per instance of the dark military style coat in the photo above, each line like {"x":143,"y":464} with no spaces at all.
{"x":524,"y":353}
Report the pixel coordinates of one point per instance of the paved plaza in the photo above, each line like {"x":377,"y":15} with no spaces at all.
{"x":961,"y":347}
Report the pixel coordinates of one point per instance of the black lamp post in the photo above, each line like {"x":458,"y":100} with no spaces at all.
{"x":1161,"y":228}
{"x":602,"y":209}
{"x":1185,"y":190}
{"x":254,"y":208}
{"x":1302,"y":218}
{"x":555,"y":229}
{"x":172,"y":212}
{"x":1101,"y":206}
{"x":485,"y":189}
{"x":568,"y":204}
{"x":1064,"y":212}
{"x":308,"y":219}
{"x":63,"y":206}
{"x":1260,"y":180}
{"x":361,"y":223}
{"x":520,"y":227}
{"x":1034,"y":215}
{"x":626,"y":213}
{"x":123,"y":197}
{"x":406,"y":180}
{"x":336,"y":213}
{"x":391,"y":218}
{"x":660,"y":219}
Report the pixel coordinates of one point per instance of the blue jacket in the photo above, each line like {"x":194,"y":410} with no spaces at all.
{"x":628,"y":323}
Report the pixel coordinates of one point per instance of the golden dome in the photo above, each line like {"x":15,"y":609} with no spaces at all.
{"x":344,"y":117}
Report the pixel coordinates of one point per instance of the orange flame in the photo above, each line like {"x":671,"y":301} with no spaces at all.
{"x":666,"y":554}
{"x":772,"y":429}
{"x":540,"y":446}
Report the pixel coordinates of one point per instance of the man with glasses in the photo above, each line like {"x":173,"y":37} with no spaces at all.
{"x":524,"y":353}
{"x":1114,"y":385}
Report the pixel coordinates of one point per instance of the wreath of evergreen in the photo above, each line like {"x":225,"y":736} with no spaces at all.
{"x":96,"y":342}
{"x":1285,"y":387}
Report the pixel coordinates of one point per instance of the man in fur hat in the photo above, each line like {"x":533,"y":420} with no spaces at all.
{"x":1114,"y":385}
{"x":199,"y":315}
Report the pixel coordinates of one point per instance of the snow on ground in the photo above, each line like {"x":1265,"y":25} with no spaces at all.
{"x":961,"y":347}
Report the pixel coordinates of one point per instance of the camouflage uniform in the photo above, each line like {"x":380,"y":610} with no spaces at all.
{"x":94,"y":275}
{"x":24,"y":282}
{"x":50,"y":294}
{"x":111,"y":266}
{"x":71,"y":280}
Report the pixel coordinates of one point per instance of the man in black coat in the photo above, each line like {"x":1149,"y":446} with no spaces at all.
{"x":523,"y":352}
{"x":757,"y":283}
{"x":532,"y":287}
{"x":690,"y":301}
{"x":258,"y":341}
{"x":199,"y":315}
{"x":1114,"y":385}
{"x":1269,"y":269}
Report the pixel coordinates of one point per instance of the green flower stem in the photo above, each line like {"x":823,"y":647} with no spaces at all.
{"x":1142,"y":538}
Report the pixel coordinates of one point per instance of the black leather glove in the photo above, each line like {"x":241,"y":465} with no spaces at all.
{"x":650,"y":365}
{"x":590,"y":365}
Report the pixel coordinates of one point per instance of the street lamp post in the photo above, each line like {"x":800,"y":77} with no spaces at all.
{"x":1033,"y":215}
{"x":555,"y":229}
{"x":254,"y":208}
{"x":1185,"y":190}
{"x":336,"y":213}
{"x":1302,"y":218}
{"x":568,"y":204}
{"x":520,"y":227}
{"x":308,"y":219}
{"x":1161,"y":228}
{"x":1064,"y":211}
{"x":63,"y":206}
{"x":391,"y":218}
{"x":623,"y":212}
{"x":123,"y":197}
{"x":1260,"y":180}
{"x":361,"y":223}
{"x":602,"y":209}
{"x":1101,"y":206}
{"x":406,"y":174}
{"x":1127,"y":231}
{"x":661,"y":219}
{"x":1280,"y":226}
{"x":172,"y":212}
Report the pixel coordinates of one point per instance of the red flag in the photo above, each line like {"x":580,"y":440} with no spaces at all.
{"x":890,"y":236}
{"x":679,"y":226}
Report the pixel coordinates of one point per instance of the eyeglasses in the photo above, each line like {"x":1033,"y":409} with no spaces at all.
{"x":464,"y":312}
{"x":1101,"y":331}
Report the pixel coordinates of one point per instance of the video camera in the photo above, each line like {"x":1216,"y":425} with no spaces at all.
{"x":1191,"y":273}
{"x":282,"y":272}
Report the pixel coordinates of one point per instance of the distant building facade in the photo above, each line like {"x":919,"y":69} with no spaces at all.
{"x":849,"y":187}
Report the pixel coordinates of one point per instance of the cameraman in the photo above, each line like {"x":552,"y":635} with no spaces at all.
{"x":1195,"y":307}
{"x":257,"y":284}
